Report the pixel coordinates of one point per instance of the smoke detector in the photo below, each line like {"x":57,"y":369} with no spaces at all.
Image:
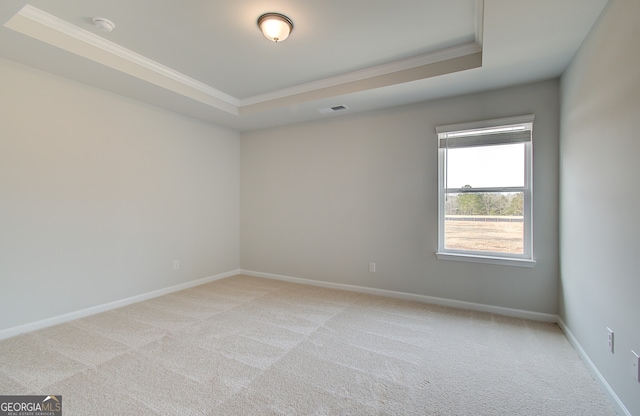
{"x":103,"y":24}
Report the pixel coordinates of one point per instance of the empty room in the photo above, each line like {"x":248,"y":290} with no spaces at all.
{"x":356,"y":207}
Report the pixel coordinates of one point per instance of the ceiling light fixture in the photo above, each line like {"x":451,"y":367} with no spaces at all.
{"x":275,"y":26}
{"x":103,"y":24}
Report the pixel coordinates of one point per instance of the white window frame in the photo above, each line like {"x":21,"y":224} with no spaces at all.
{"x":484,"y":133}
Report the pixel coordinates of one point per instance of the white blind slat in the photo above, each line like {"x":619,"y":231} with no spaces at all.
{"x":486,"y":139}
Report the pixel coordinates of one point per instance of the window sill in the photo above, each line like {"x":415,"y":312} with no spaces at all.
{"x":473,"y":258}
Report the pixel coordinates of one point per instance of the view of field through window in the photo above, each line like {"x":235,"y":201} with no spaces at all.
{"x":485,"y":221}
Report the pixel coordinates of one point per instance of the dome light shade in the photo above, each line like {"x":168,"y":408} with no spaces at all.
{"x":275,"y":26}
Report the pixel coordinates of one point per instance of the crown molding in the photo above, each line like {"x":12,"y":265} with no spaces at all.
{"x":29,"y":21}
{"x":421,"y":72}
{"x":56,"y":32}
{"x":479,"y":22}
{"x":368,"y":73}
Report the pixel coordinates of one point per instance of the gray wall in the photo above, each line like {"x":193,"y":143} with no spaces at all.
{"x":600,"y":170}
{"x":320,"y":200}
{"x":99,"y":194}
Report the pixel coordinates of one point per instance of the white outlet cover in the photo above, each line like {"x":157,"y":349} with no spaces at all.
{"x":636,"y":365}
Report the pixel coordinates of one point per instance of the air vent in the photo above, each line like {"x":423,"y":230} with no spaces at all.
{"x":333,"y":109}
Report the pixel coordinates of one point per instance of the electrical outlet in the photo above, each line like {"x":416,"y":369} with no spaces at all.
{"x":372,"y":267}
{"x":635,"y":365}
{"x":610,"y":331}
{"x":176,"y":264}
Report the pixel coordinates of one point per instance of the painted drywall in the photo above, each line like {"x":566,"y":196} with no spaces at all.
{"x":99,"y":195}
{"x":320,"y":200}
{"x":600,"y":168}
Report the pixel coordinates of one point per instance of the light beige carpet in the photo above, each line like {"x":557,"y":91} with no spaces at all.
{"x":252,"y":346}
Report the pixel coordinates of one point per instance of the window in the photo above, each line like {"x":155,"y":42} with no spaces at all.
{"x":485,"y":194}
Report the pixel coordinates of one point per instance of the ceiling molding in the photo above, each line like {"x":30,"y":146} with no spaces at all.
{"x":359,"y":84}
{"x":376,"y":71}
{"x":54,"y":31}
{"x":479,"y":22}
{"x":31,"y":21}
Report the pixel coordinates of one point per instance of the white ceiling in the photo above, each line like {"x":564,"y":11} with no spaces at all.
{"x":207,"y":58}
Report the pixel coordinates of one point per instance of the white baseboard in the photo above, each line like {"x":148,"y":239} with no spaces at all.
{"x":458,"y":304}
{"x":517,"y":313}
{"x":613,"y":397}
{"x":33,"y":326}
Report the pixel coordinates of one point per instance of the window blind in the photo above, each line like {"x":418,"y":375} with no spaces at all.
{"x":486,"y":133}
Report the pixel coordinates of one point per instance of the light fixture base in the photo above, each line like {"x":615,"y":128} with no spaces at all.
{"x":275,"y":26}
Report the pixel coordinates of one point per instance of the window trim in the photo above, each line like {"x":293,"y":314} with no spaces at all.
{"x":484,"y":138}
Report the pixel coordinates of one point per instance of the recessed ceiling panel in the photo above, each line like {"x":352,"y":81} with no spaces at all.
{"x":207,"y":58}
{"x":218,"y":42}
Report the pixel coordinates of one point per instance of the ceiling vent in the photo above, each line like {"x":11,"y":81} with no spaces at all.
{"x":333,"y":109}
